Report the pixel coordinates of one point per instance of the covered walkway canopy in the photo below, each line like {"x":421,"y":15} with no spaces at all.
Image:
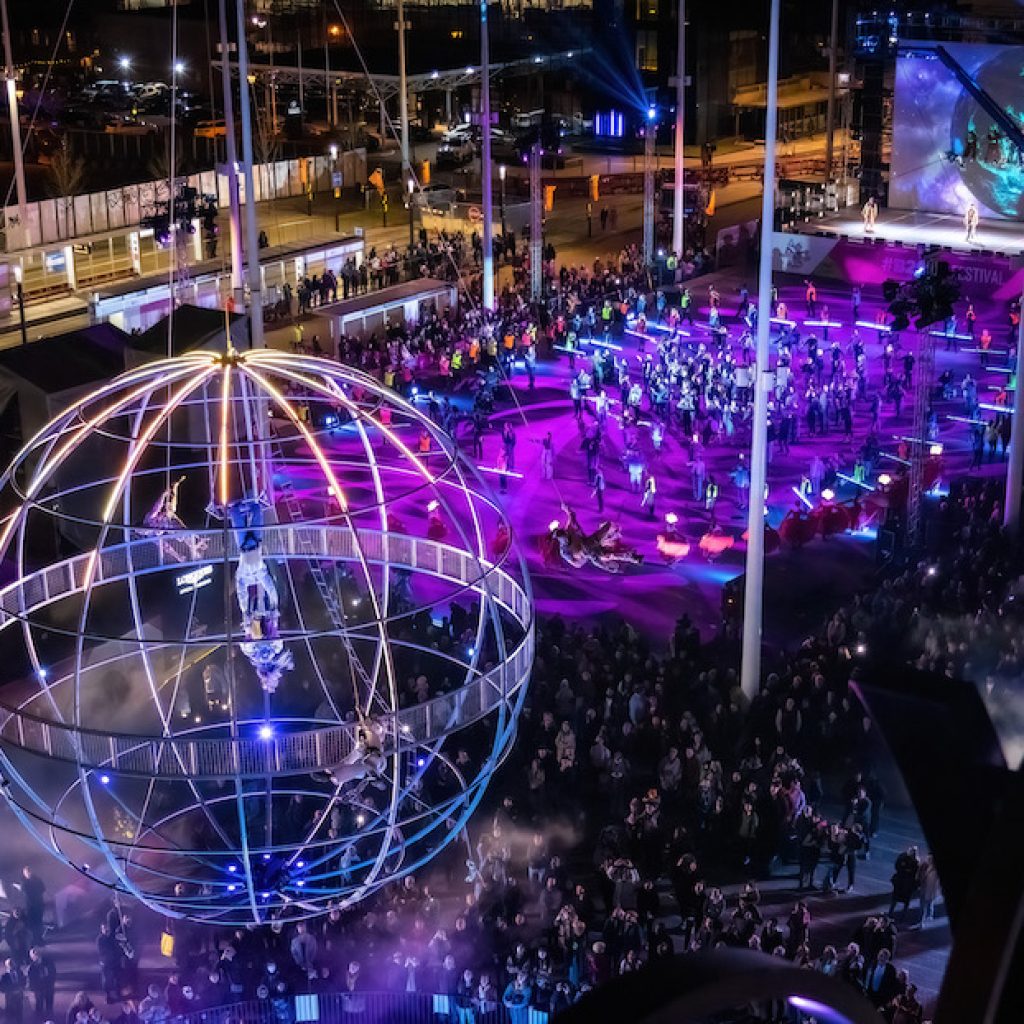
{"x":385,"y":84}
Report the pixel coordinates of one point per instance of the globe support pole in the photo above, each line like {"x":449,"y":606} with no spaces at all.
{"x":252,"y":248}
{"x":753,"y":596}
{"x":231,"y":156}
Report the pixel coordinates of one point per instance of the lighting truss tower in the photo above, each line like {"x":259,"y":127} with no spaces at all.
{"x":919,"y":444}
{"x":536,"y":225}
{"x":650,"y":134}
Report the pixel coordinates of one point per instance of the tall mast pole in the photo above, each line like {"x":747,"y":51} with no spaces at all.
{"x":231,"y":156}
{"x":403,"y":92}
{"x":830,"y":117}
{"x":753,"y":598}
{"x":252,"y":248}
{"x":678,"y":204}
{"x":486,"y":171}
{"x":11,"y":84}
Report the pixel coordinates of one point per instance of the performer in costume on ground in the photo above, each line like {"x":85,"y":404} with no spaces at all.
{"x":603,"y":548}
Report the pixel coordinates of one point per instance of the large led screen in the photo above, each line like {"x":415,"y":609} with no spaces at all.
{"x":948,"y":149}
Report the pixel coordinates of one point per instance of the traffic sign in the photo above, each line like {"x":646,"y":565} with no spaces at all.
{"x":337,"y":179}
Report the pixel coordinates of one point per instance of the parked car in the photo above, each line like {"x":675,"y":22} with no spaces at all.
{"x":455,"y":153}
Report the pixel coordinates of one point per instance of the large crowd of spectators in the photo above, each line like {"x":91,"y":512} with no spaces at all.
{"x":644,"y":785}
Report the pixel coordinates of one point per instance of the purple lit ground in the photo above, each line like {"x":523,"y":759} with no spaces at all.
{"x":652,"y":596}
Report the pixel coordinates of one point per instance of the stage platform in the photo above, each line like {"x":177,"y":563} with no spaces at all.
{"x":912,"y":228}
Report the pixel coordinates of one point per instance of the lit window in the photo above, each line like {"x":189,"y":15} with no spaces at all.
{"x":647,"y":51}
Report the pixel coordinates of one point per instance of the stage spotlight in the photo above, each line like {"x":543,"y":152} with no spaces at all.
{"x":105,"y":779}
{"x":884,"y":479}
{"x":828,"y":494}
{"x":266,"y":732}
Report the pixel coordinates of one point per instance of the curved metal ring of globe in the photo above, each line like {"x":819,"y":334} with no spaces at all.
{"x":259,"y":599}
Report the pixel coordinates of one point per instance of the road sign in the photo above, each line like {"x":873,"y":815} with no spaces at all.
{"x":337,"y":179}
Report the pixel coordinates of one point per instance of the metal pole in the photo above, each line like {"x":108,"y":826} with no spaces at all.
{"x":750,"y":677}
{"x":650,"y":134}
{"x":678,"y":205}
{"x":403,"y":90}
{"x":11,"y":85}
{"x":252,"y":247}
{"x":486,"y":170}
{"x":1015,"y":463}
{"x":330,"y":113}
{"x":302,"y":90}
{"x":536,"y":226}
{"x":231,"y":156}
{"x":830,"y":118}
{"x":20,"y":291}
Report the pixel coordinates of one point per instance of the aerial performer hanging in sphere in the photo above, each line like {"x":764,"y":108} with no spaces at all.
{"x":603,"y":548}
{"x":163,"y":519}
{"x":257,"y":595}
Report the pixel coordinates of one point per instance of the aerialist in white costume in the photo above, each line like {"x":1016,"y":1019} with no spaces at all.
{"x":257,"y":595}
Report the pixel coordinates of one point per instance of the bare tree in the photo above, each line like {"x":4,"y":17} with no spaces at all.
{"x":160,"y":162}
{"x":67,"y":173}
{"x":267,"y":150}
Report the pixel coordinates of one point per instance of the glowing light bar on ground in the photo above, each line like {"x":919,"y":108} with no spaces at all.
{"x":981,"y":351}
{"x":999,"y":369}
{"x":956,"y":337}
{"x":500,"y":472}
{"x":855,"y":482}
{"x":872,"y":326}
{"x":781,"y":321}
{"x":803,"y":497}
{"x":603,"y":344}
{"x":966,"y":419}
{"x":822,"y":323}
{"x":895,"y":458}
{"x":992,"y":407}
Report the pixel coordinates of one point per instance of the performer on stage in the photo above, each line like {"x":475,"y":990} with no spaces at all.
{"x":971,"y":222}
{"x":869,"y":214}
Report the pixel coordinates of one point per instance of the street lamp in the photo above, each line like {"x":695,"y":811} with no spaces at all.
{"x":410,"y":186}
{"x":336,"y":186}
{"x":125,"y":63}
{"x":502,"y":171}
{"x":179,"y":67}
{"x":20,"y":292}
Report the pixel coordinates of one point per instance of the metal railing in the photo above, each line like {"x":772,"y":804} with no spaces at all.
{"x":361,"y":1008}
{"x":285,"y":753}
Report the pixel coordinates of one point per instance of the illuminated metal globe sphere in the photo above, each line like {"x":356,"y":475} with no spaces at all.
{"x":265,"y":636}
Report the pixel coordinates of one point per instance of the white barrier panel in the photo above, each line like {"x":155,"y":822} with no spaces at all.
{"x":126,"y":206}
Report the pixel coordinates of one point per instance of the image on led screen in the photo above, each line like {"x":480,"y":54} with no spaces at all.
{"x":956,"y":108}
